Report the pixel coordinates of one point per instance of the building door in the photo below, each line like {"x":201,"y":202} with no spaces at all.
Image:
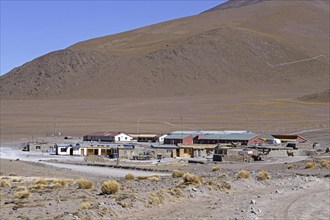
{"x":71,"y":151}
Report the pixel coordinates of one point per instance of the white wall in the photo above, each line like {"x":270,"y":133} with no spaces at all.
{"x":123,"y":137}
{"x":161,"y":138}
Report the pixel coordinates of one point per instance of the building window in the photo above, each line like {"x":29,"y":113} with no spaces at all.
{"x":63,"y":149}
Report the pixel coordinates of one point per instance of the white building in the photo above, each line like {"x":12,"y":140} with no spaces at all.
{"x":67,"y":149}
{"x":122,"y":137}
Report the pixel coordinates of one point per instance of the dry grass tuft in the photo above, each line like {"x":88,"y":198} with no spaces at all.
{"x":143,"y":177}
{"x":41,"y":182}
{"x":215,"y":169}
{"x":17,"y":180}
{"x":110,"y":187}
{"x":21,"y":188}
{"x":223,"y":175}
{"x":36,"y":186}
{"x":154,"y":178}
{"x":84,"y":184}
{"x":290,"y":166}
{"x":190,"y":178}
{"x":156,"y":198}
{"x":310,"y":165}
{"x":22,"y":194}
{"x":177,"y":192}
{"x":5,"y":183}
{"x":129,"y":176}
{"x":61,"y":182}
{"x":177,"y":173}
{"x":85,"y":205}
{"x":243,"y":174}
{"x":325,"y":163}
{"x":221,"y":186}
{"x":263,"y":175}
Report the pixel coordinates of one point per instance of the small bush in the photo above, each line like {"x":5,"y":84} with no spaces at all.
{"x":16,"y":180}
{"x":21,"y":188}
{"x":177,"y":173}
{"x":41,"y":182}
{"x":84,"y":184}
{"x":5,"y":183}
{"x":190,"y":178}
{"x":85,"y":205}
{"x":129,"y":176}
{"x":110,"y":187}
{"x":325,"y":163}
{"x":22,"y":194}
{"x":61,"y":182}
{"x":243,"y":174}
{"x":310,"y":165}
{"x":263,"y":175}
{"x":154,"y":178}
{"x":290,"y":166}
{"x":214,"y":169}
{"x":143,"y":177}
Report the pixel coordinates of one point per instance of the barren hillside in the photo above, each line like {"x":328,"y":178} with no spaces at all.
{"x":265,"y":46}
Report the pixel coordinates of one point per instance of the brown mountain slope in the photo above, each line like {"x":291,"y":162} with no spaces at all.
{"x":266,"y":46}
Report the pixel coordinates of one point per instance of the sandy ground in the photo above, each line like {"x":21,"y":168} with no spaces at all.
{"x":296,"y":193}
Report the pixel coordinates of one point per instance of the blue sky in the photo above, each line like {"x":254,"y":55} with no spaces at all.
{"x":30,"y":29}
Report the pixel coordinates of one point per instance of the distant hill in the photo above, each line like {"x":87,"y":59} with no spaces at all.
{"x":240,"y":46}
{"x":317,"y":97}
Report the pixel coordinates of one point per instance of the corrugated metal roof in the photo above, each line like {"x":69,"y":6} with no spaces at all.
{"x":103,"y":134}
{"x":238,"y":137}
{"x":267,"y":136}
{"x":177,"y":136}
{"x":165,"y":146}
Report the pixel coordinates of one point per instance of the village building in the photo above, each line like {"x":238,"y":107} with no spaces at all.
{"x":178,"y":139}
{"x":233,"y":138}
{"x":195,"y":150}
{"x":284,"y":138}
{"x":67,"y":149}
{"x":122,"y":137}
{"x":163,"y":150}
{"x":110,"y":150}
{"x":101,"y":137}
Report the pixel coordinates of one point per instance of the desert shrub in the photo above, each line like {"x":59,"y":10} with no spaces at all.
{"x":21,"y":188}
{"x":263,"y":175}
{"x":290,"y":166}
{"x":243,"y":174}
{"x":176,"y":192}
{"x":5,"y":183}
{"x":221,"y":186}
{"x":214,"y":169}
{"x":41,"y":182}
{"x":154,"y":178}
{"x":190,"y":178}
{"x":129,"y":176}
{"x":110,"y":187}
{"x":223,"y":175}
{"x":85,"y":205}
{"x":177,"y":173}
{"x":143,"y":177}
{"x":310,"y":165}
{"x":16,"y":180}
{"x":36,"y":186}
{"x":22,"y":194}
{"x":61,"y":182}
{"x":84,"y":184}
{"x":325,"y":163}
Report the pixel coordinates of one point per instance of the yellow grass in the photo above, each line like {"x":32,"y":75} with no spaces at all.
{"x":143,"y":177}
{"x":129,"y":176}
{"x":154,"y":178}
{"x":223,"y":175}
{"x":310,"y":165}
{"x":22,"y":194}
{"x":214,"y":169}
{"x":61,"y":182}
{"x":85,"y":205}
{"x":243,"y":174}
{"x":41,"y":182}
{"x":177,"y":173}
{"x":110,"y":187}
{"x":21,"y":188}
{"x":190,"y":178}
{"x":263,"y":175}
{"x":84,"y":184}
{"x":325,"y":163}
{"x":290,"y":166}
{"x":5,"y":183}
